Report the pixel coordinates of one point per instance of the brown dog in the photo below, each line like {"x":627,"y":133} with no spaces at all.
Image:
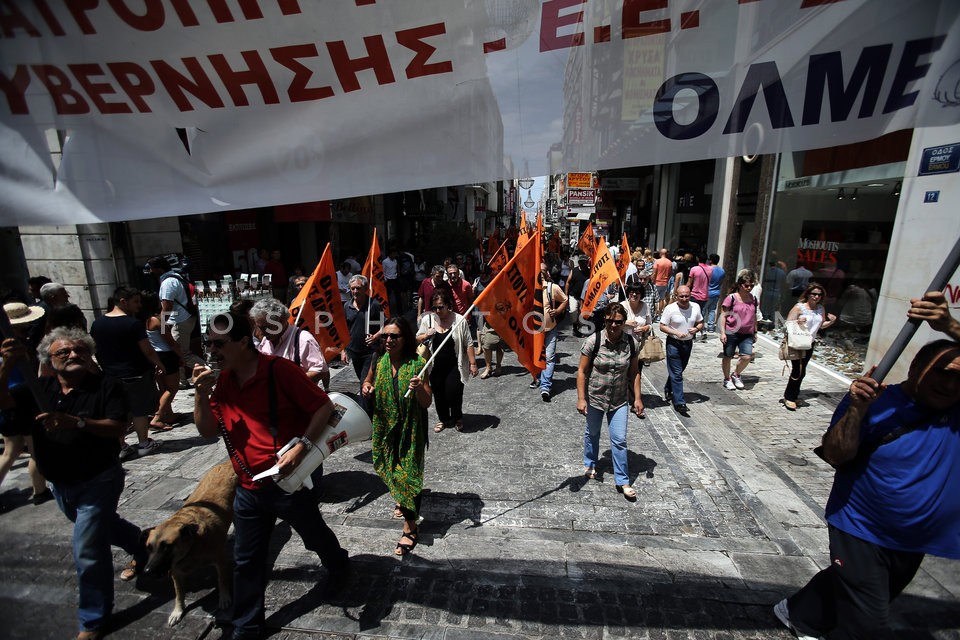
{"x":196,"y":536}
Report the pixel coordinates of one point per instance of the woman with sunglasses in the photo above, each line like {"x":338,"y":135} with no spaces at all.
{"x":400,"y":424}
{"x":738,"y":319}
{"x":810,"y":314}
{"x":606,"y":374}
{"x":453,"y":364}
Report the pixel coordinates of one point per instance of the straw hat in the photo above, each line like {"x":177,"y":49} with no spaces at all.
{"x":20,"y":313}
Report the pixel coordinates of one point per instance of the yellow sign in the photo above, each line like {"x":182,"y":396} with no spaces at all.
{"x":579,"y":180}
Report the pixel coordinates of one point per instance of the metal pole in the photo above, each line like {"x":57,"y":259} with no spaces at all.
{"x":899,"y":343}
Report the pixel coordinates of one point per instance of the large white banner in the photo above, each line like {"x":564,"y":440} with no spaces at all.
{"x":172,"y":107}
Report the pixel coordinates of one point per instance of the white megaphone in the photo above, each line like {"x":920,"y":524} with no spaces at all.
{"x":348,"y":423}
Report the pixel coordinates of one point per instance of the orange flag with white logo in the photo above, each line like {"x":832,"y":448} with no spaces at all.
{"x":603,"y":273}
{"x":500,"y":258}
{"x":373,"y":270}
{"x":623,"y":260}
{"x":317,"y":308}
{"x":507,"y":305}
{"x":588,"y":243}
{"x":523,"y":238}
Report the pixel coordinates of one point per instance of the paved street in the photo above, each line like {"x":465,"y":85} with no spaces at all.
{"x":515,"y":542}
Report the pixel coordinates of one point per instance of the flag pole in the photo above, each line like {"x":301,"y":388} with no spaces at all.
{"x":442,"y":342}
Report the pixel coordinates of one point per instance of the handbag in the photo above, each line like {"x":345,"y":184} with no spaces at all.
{"x":789,"y":353}
{"x":423,"y":349}
{"x":797,"y":336}
{"x":652,"y":349}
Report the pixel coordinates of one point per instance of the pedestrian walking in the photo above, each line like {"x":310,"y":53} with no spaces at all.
{"x":810,"y":313}
{"x":125,"y":354}
{"x":573,"y":287}
{"x":360,"y":348}
{"x":639,"y":311}
{"x":77,"y":448}
{"x":607,"y":374}
{"x":699,"y":282}
{"x":680,"y":322}
{"x":271,"y":322}
{"x":714,"y":292}
{"x":453,"y":364}
{"x":738,"y":319}
{"x":554,"y":304}
{"x":168,"y":350}
{"x":400,"y":424}
{"x":178,"y":309}
{"x":894,"y":497}
{"x":259,"y":404}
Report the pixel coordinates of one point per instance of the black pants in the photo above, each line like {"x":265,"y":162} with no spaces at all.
{"x":798,"y":369}
{"x":447,"y":393}
{"x":361,"y":365}
{"x":851,"y":598}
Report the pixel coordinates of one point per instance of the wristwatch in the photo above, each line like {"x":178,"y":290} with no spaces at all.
{"x":306,"y":443}
{"x":81,"y":423}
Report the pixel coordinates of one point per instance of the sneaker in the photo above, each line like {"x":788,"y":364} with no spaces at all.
{"x":783,"y":615}
{"x":682,"y":410}
{"x":535,"y":384}
{"x":150,"y":446}
{"x":728,"y":384}
{"x":737,"y":382}
{"x":44,"y":496}
{"x":127,"y":452}
{"x":545,"y":396}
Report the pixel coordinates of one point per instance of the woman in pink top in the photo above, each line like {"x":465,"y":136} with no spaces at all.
{"x":738,"y":317}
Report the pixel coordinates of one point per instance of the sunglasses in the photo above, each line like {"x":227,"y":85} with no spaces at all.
{"x":814,"y":293}
{"x":439,"y":307}
{"x":63,"y":354}
{"x":387,"y":337}
{"x":218,"y":343}
{"x":614,"y":323}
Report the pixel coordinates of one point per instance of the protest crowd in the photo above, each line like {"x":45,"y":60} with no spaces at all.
{"x":414,"y":336}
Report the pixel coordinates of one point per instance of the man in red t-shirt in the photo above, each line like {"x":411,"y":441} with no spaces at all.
{"x":238,"y":409}
{"x":662,"y":270}
{"x":427,"y":287}
{"x":461,"y":289}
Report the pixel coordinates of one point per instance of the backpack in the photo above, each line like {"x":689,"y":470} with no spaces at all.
{"x":596,"y":346}
{"x":191,"y":306}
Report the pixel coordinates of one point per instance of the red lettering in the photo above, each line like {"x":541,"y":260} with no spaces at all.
{"x":632,"y":25}
{"x":125,"y":73}
{"x":298,"y":90}
{"x":551,"y":21}
{"x":151,"y":20}
{"x":347,"y":67}
{"x":78,"y":9}
{"x":412,"y":39}
{"x":256,"y":73}
{"x":952,"y":293}
{"x":15,"y":88}
{"x":198,"y":84}
{"x":12,"y":19}
{"x":96,"y":90}
{"x":66,"y":100}
{"x":185,"y":12}
{"x":55,"y":27}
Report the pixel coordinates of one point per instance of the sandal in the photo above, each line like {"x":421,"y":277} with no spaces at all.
{"x":440,"y":427}
{"x":130,"y":572}
{"x":590,"y":474}
{"x":160,"y":427}
{"x":397,"y":513}
{"x":628,"y":492}
{"x":459,"y":425}
{"x":486,"y":374}
{"x":403,"y":549}
{"x":642,"y":415}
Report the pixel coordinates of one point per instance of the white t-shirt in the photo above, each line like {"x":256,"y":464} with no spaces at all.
{"x":642,"y":317}
{"x":172,"y":289}
{"x":681,"y":320}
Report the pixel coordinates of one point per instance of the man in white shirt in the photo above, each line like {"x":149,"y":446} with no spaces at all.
{"x":680,"y":321}
{"x":343,"y":282}
{"x":278,"y":337}
{"x":390,"y":265}
{"x":176,"y":307}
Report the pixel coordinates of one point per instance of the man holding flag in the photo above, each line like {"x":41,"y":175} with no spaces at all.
{"x":554,"y":304}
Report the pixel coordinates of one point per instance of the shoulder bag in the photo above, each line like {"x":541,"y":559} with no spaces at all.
{"x":423,"y":349}
{"x":797,"y":336}
{"x":652,"y":349}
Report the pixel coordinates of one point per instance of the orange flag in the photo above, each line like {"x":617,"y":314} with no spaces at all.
{"x":322,"y":312}
{"x":373,"y":270}
{"x":499,"y":259}
{"x":507,"y":304}
{"x":523,"y":238}
{"x":603,"y":273}
{"x":493,"y":241}
{"x":587,"y":242}
{"x":623,"y":260}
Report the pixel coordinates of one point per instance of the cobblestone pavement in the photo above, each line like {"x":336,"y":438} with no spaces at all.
{"x":515,"y":542}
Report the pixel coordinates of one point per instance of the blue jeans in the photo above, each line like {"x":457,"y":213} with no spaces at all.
{"x":254,"y":515}
{"x":92,"y":508}
{"x":617,"y":425}
{"x":550,"y":346}
{"x":712,"y":312}
{"x":678,"y":354}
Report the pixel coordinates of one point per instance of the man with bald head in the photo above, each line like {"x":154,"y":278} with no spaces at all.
{"x":680,"y":321}
{"x":894,"y":496}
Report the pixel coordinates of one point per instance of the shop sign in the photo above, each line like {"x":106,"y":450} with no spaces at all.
{"x":935,"y":160}
{"x":579,"y":180}
{"x":580,"y":196}
{"x":817,"y":253}
{"x":797,"y":184}
{"x":620,"y":184}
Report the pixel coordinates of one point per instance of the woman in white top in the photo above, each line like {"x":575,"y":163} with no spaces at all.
{"x":639,"y":319}
{"x":811,"y":315}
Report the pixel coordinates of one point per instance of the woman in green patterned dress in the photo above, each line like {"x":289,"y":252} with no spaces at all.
{"x":400,"y":424}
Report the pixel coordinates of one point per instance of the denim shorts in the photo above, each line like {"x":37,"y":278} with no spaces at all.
{"x":742,"y":340}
